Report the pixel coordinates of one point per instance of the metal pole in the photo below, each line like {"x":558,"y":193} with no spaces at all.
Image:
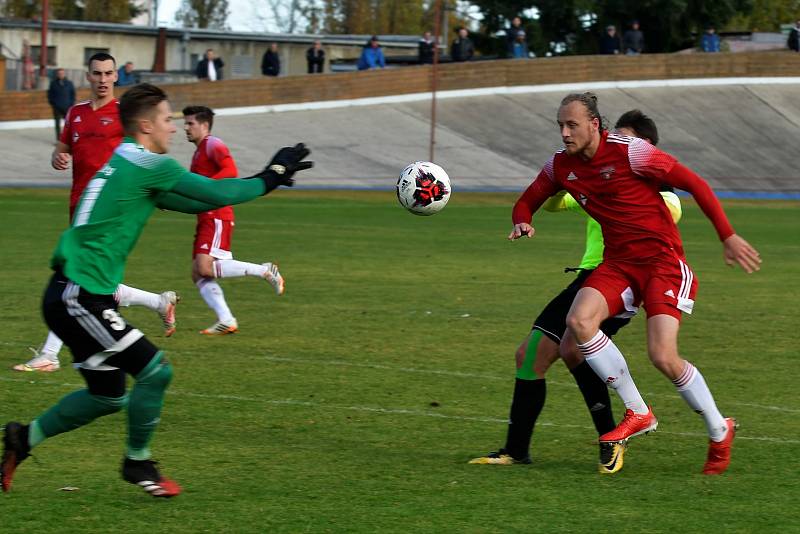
{"x":43,"y":48}
{"x":434,"y":74}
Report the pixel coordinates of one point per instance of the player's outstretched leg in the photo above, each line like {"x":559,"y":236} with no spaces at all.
{"x":161,"y":303}
{"x":45,"y":359}
{"x":144,"y":412}
{"x":235,"y":268}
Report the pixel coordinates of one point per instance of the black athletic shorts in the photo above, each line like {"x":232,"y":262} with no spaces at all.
{"x":104,"y":346}
{"x":552,"y":321}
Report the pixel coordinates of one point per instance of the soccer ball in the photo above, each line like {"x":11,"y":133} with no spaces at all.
{"x":423,"y":188}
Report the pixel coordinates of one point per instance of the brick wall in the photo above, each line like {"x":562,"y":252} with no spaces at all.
{"x":22,"y":105}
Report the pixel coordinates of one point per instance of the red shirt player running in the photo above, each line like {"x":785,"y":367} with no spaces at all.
{"x":212,"y":240}
{"x":92,"y":130}
{"x":616,"y":179}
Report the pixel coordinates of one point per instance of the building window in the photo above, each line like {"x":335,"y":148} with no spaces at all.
{"x":89,"y":52}
{"x":36,"y":54}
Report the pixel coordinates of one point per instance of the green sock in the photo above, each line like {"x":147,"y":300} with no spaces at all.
{"x":73,"y":411}
{"x":526,"y":372}
{"x":144,"y":407}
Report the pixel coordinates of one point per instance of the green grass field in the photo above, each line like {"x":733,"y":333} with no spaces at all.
{"x":353,"y":403}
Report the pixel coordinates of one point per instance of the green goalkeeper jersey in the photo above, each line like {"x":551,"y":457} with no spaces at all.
{"x":117,"y":202}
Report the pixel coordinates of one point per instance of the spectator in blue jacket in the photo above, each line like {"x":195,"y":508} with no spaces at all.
{"x":60,"y":96}
{"x":710,"y":42}
{"x":372,"y":56}
{"x":125,"y":76}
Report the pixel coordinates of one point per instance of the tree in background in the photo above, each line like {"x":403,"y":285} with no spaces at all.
{"x":211,"y":14}
{"x":89,"y":10}
{"x":385,"y":17}
{"x":766,"y":16}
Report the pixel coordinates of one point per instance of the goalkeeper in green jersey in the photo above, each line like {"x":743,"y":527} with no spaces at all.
{"x":541,"y":348}
{"x":89,"y":263}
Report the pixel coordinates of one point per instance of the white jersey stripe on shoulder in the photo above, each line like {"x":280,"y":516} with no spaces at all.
{"x":617,"y":138}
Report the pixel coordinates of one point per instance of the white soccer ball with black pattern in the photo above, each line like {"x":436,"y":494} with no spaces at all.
{"x":423,"y":188}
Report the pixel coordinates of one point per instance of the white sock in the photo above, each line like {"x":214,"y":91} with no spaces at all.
{"x":130,"y":296}
{"x":234,"y":268}
{"x":608,"y":363}
{"x":692,"y":387}
{"x":215,"y":298}
{"x":52,"y":346}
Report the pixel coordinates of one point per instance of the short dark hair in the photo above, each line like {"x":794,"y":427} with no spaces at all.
{"x":201,"y":113}
{"x":640,"y":123}
{"x":137,"y":101}
{"x":100,"y":56}
{"x":589,"y":101}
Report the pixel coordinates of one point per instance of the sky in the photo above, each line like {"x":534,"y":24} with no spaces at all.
{"x":243,"y":16}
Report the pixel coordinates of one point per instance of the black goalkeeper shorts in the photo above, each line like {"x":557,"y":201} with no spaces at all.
{"x":104,"y":346}
{"x":552,"y":321}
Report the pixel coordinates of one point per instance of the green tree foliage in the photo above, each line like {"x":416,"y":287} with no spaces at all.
{"x":575,"y":26}
{"x":212,"y":14}
{"x":374,"y":16}
{"x":90,"y":10}
{"x":766,"y":16}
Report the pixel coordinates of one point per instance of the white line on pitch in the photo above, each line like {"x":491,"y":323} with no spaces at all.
{"x":388,"y":411}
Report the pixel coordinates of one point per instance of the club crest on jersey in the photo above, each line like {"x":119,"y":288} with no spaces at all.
{"x":582,"y":198}
{"x":571,"y":176}
{"x":607,"y":172}
{"x":75,"y":137}
{"x":105,"y":121}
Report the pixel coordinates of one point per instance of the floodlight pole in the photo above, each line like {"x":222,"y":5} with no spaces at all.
{"x":437,"y":13}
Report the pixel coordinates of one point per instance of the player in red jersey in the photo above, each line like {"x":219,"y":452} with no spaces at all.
{"x":616,"y":180}
{"x":92,"y":130}
{"x":212,"y":240}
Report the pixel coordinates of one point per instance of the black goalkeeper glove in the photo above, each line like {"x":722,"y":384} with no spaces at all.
{"x":283,"y":165}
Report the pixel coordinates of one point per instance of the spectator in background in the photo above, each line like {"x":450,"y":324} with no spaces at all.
{"x":372,"y":56}
{"x":462,"y":48}
{"x":511,"y":35}
{"x":60,"y":96}
{"x":210,"y":67}
{"x":520,"y":48}
{"x":633,"y":40}
{"x":609,"y":43}
{"x":426,"y":45}
{"x":315,"y":57}
{"x":794,"y":37}
{"x":125,"y":76}
{"x":710,"y":41}
{"x":271,"y":61}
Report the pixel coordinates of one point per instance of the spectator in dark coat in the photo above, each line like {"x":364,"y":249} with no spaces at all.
{"x":520,"y":48}
{"x":633,"y":40}
{"x":372,"y":56}
{"x":426,"y":45}
{"x":609,"y":43}
{"x":315,"y":57}
{"x":210,"y":67}
{"x":462,"y":48}
{"x":271,"y":61}
{"x":125,"y":76}
{"x":60,"y":96}
{"x":710,"y":41}
{"x":794,"y":38}
{"x":511,"y":35}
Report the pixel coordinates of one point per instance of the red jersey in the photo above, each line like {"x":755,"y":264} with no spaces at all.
{"x":213,"y":160}
{"x":91,"y":135}
{"x":619,"y":188}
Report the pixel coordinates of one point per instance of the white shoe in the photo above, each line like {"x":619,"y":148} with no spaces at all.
{"x":169,"y":299}
{"x":42,"y":362}
{"x":273,"y":276}
{"x":221,"y":329}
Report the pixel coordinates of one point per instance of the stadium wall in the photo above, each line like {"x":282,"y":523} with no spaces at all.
{"x":26,"y":105}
